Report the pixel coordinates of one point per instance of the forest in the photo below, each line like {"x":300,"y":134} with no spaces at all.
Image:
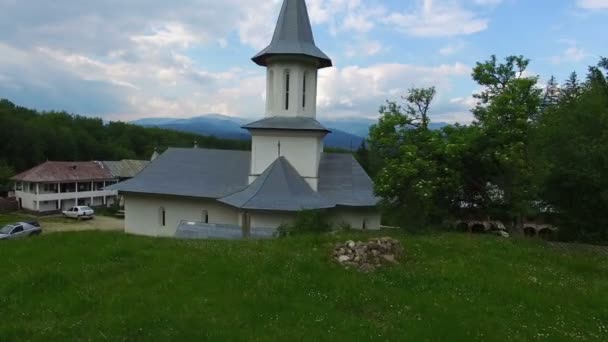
{"x":30,"y":137}
{"x":532,"y":153}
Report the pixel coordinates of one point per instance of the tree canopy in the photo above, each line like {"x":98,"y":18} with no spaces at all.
{"x":530,"y":153}
{"x":31,"y":137}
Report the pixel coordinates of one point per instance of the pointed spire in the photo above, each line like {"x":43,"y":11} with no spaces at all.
{"x":293,"y":36}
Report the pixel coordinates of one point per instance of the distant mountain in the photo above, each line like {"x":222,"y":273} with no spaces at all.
{"x":347,"y":133}
{"x":229,"y":127}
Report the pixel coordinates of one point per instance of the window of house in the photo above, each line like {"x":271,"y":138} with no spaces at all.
{"x":304,"y":89}
{"x":162,"y":216}
{"x":205,"y":217}
{"x":286,"y":89}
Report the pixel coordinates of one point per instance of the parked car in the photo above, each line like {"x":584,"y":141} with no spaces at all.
{"x":79,"y":212}
{"x":19,"y":230}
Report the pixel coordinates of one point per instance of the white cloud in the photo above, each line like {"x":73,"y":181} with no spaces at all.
{"x":363,"y":47}
{"x":452,"y":48}
{"x":359,"y":91}
{"x":438,"y":19}
{"x":571,"y":54}
{"x":488,"y":2}
{"x":592,"y":4}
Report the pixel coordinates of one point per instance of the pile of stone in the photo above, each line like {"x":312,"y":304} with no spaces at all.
{"x":368,"y":256}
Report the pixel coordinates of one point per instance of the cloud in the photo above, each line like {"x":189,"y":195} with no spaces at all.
{"x":571,"y":54}
{"x":125,"y":60}
{"x":359,"y":91}
{"x":363,"y":46}
{"x":452,"y":48}
{"x":437,"y":19}
{"x":592,"y":4}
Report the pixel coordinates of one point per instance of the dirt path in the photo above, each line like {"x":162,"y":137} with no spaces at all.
{"x":60,"y":224}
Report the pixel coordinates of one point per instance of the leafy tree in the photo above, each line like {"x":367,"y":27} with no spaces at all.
{"x":6,"y":172}
{"x":508,"y":107}
{"x":571,"y":149}
{"x":415,"y":180}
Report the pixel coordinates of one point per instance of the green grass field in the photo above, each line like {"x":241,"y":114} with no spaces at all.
{"x":451,"y":287}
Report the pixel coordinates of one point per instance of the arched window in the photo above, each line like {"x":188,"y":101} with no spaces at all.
{"x":304,"y":89}
{"x":286,"y":89}
{"x":270,"y":94}
{"x":364,"y":226}
{"x":162,"y":216}
{"x":205,"y":217}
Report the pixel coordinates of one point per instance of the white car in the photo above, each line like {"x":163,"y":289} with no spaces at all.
{"x":79,"y":212}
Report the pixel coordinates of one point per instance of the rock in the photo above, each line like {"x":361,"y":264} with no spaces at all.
{"x":368,"y":256}
{"x":390,"y":258}
{"x":343,"y":258}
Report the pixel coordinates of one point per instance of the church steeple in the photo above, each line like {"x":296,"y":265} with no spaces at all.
{"x":292,"y":60}
{"x":293,"y":36}
{"x":290,"y":128}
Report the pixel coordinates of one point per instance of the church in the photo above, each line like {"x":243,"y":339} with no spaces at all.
{"x":286,"y":170}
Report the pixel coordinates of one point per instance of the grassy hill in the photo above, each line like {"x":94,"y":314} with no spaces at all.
{"x":109,"y":286}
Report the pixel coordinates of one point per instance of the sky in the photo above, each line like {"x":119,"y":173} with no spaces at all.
{"x":124,"y":60}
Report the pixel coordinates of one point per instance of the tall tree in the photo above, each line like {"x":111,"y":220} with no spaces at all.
{"x":414,"y":179}
{"x":509,"y":105}
{"x":572,"y":159}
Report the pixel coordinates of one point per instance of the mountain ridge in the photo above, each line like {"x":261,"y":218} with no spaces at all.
{"x":347,"y":132}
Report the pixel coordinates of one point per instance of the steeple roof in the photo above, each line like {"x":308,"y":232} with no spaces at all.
{"x":293,"y":36}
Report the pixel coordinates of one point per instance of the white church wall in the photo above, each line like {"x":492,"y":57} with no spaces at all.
{"x":355,"y":217}
{"x":299,"y":148}
{"x":143,"y":213}
{"x":270,"y":219}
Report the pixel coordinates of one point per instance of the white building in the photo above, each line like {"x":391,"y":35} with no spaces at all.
{"x":55,"y":186}
{"x":286,"y":170}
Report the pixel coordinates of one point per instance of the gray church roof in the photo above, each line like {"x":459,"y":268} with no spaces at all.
{"x":192,"y":172}
{"x":293,"y":36}
{"x":280,"y":187}
{"x":224,"y":175}
{"x":287,"y":123}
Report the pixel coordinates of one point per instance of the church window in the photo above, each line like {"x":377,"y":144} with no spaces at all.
{"x":304,"y":89}
{"x":162,"y":216}
{"x":286,"y":89}
{"x":270,"y":94}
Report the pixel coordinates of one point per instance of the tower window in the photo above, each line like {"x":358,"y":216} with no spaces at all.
{"x":270,"y":90}
{"x":304,"y":89}
{"x":286,"y":89}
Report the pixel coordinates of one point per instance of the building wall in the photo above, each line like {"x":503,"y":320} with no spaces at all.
{"x":270,"y":219}
{"x":143,"y":213}
{"x":47,"y":200}
{"x":355,"y":217}
{"x":301,"y":149}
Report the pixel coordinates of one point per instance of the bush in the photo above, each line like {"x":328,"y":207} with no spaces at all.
{"x":306,"y":221}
